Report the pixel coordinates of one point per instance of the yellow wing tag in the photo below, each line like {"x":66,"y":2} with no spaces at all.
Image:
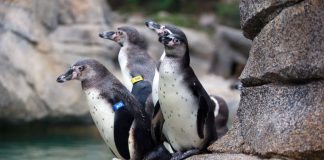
{"x":137,"y":79}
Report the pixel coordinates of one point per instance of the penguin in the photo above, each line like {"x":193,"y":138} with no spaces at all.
{"x":137,"y":67}
{"x":119,"y":117}
{"x":221,"y":115}
{"x":187,"y":108}
{"x":221,"y":108}
{"x":135,"y":62}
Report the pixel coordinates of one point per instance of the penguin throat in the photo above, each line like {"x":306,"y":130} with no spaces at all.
{"x":175,"y":52}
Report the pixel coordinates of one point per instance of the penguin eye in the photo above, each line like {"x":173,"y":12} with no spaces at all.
{"x":120,"y":33}
{"x":81,"y":68}
{"x":176,"y":41}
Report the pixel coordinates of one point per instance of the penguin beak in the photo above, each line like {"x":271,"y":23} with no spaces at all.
{"x":159,"y":29}
{"x":68,"y":75}
{"x":108,"y":35}
{"x":152,"y":25}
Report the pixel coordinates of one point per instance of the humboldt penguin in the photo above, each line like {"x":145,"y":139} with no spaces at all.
{"x":221,"y":108}
{"x":137,"y":67}
{"x":119,"y":117}
{"x":187,"y":108}
{"x":138,"y":70}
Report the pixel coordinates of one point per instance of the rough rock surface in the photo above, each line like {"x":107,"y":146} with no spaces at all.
{"x":275,"y":120}
{"x":232,"y":142}
{"x":281,"y":112}
{"x":289,"y":48}
{"x":256,"y":14}
{"x":285,"y":120}
{"x":227,"y":156}
{"x":38,"y":41}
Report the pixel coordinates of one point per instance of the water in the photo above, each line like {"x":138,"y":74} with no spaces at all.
{"x":53,"y":143}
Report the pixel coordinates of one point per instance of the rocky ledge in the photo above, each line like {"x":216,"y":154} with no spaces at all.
{"x":281,"y":112}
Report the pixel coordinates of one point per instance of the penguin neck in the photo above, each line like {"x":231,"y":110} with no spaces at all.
{"x":129,"y":48}
{"x":176,"y":55}
{"x":93,"y":82}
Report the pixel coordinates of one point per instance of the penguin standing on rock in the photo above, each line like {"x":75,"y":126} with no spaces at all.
{"x":187,"y":108}
{"x":221,"y":112}
{"x":137,"y":67}
{"x":119,"y":117}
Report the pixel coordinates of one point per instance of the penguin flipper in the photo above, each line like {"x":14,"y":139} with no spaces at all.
{"x":157,"y":123}
{"x":123,"y":121}
{"x":202,"y":116}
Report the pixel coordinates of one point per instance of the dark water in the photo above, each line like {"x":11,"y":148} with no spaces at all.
{"x":53,"y":143}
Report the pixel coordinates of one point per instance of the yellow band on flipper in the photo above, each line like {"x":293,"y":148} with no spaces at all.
{"x":137,"y":79}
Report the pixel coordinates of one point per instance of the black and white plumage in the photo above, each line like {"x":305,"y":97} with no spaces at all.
{"x":134,"y":61}
{"x":124,"y":130}
{"x":221,"y":109}
{"x":186,"y":106}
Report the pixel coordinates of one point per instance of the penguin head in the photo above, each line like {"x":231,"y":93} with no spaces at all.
{"x":160,"y":30}
{"x":163,"y":30}
{"x":82,"y":70}
{"x":175,"y":45}
{"x":125,"y":35}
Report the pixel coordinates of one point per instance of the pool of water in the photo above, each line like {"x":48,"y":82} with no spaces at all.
{"x":53,"y":143}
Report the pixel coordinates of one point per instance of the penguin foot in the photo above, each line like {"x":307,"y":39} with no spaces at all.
{"x":183,"y":155}
{"x":159,"y":153}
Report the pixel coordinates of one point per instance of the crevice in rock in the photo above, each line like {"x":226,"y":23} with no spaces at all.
{"x":254,"y":25}
{"x":255,"y":82}
{"x":24,"y":37}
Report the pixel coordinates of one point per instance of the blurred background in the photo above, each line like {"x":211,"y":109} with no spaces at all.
{"x":41,"y":119}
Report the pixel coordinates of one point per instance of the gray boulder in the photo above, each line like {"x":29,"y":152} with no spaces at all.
{"x":281,"y":112}
{"x":38,"y":41}
{"x":289,"y":48}
{"x":256,"y":14}
{"x":284,"y":120}
{"x":227,"y":156}
{"x":278,"y":120}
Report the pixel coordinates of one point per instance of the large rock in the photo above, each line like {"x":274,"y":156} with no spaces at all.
{"x":227,"y":156}
{"x":278,"y":121}
{"x":231,"y":142}
{"x":289,"y":48}
{"x":281,"y":112}
{"x":38,"y":41}
{"x":284,"y":120}
{"x":255,"y":14}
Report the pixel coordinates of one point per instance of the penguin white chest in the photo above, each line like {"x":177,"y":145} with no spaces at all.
{"x":123,"y":61}
{"x":103,"y":116}
{"x":179,"y":108}
{"x":155,"y":86}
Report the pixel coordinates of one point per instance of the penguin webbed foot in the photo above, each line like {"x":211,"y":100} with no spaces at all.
{"x":158,"y":153}
{"x":183,"y":155}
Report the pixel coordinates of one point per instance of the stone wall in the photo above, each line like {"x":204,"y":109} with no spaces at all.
{"x":38,"y":41}
{"x":281,"y":113}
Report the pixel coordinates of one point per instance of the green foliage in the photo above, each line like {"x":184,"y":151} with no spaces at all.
{"x":177,"y":19}
{"x":229,"y":14}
